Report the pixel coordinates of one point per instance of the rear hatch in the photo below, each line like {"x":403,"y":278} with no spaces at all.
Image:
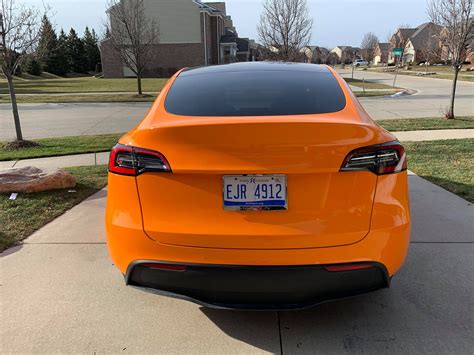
{"x":325,"y":207}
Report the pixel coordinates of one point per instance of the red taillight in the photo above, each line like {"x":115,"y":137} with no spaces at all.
{"x":348,"y":267}
{"x":172,"y":267}
{"x":126,"y":160}
{"x":381,"y":159}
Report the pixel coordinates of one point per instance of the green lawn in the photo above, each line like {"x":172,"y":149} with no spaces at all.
{"x":368,"y":84}
{"x":126,"y":97}
{"x":82,"y":85}
{"x":447,"y":163}
{"x":50,"y":147}
{"x":375,"y":93}
{"x":64,"y":90}
{"x":442,"y":72}
{"x":79,"y":98}
{"x":415,"y":124}
{"x":29,"y":212}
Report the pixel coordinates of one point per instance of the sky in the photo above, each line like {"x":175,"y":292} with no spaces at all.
{"x":336,"y":22}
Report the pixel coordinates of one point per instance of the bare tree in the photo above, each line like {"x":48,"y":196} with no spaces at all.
{"x":454,"y":17}
{"x":369,"y":45}
{"x":285,"y":25}
{"x":133,"y":35}
{"x":19,"y":36}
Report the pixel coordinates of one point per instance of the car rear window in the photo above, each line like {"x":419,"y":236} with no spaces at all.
{"x":255,"y":93}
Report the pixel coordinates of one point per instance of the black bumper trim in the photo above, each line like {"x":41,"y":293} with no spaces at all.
{"x":256,"y":287}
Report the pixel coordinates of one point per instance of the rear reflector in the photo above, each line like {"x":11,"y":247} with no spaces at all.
{"x":171,"y":267}
{"x":126,"y":160}
{"x":348,"y":267}
{"x":381,"y":159}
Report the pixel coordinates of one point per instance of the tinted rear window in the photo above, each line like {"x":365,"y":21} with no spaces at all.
{"x":255,"y":93}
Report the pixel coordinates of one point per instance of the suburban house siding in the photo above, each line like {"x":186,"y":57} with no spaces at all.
{"x":178,"y":20}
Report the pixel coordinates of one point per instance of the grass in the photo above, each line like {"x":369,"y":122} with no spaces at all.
{"x":78,"y":98}
{"x":26,"y":99}
{"x":442,"y":72}
{"x":51,"y":147}
{"x":375,"y":93}
{"x":82,"y":85}
{"x":368,"y":84}
{"x":29,"y":212}
{"x":415,"y":124}
{"x":447,"y":163}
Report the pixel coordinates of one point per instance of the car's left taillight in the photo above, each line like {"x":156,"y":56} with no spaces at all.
{"x":386,"y":158}
{"x":133,"y":161}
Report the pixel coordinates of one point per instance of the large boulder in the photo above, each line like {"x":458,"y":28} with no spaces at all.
{"x":31,"y":179}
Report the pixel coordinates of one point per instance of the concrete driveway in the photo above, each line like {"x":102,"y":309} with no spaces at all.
{"x":60,"y":293}
{"x":57,"y":120}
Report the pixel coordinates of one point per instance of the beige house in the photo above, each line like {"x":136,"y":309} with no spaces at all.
{"x":192,"y":33}
{"x":346,"y":54}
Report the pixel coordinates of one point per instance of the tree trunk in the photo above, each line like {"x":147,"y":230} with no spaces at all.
{"x":16,"y":116}
{"x":139,"y":84}
{"x":450,"y":114}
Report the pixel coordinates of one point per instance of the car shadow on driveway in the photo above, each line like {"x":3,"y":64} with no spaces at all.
{"x":251,"y":327}
{"x":426,"y":310}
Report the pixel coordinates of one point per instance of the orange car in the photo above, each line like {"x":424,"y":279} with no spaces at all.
{"x":258,"y":186}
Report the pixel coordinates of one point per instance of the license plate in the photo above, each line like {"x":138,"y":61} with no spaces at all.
{"x":254,"y":192}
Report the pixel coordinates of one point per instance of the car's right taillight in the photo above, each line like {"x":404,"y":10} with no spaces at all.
{"x":133,"y":161}
{"x":386,"y":158}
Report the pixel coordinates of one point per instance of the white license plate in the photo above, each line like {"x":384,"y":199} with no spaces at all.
{"x":254,"y":192}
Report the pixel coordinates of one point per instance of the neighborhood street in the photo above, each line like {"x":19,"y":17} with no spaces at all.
{"x":430,"y":100}
{"x":61,"y":293}
{"x":57,"y":120}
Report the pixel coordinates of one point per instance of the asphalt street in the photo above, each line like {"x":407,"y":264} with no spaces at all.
{"x":60,"y":293}
{"x":56,"y":120}
{"x":431,"y":99}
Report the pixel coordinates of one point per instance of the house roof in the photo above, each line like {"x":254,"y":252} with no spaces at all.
{"x":384,"y":47}
{"x":229,"y":38}
{"x":424,"y":33}
{"x":347,"y":48}
{"x":407,"y":32}
{"x":219,"y":6}
{"x":243,"y":44}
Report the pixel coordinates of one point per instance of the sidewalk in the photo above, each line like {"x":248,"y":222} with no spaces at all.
{"x":432,"y":135}
{"x":103,"y":158}
{"x":59,"y":162}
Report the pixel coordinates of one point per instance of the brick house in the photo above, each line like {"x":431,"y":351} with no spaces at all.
{"x":419,"y":44}
{"x":192,"y":33}
{"x":424,"y":44}
{"x":399,"y":40}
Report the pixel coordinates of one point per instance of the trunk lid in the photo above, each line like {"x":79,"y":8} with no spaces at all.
{"x":325,"y":207}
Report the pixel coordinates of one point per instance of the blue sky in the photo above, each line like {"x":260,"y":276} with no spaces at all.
{"x":336,"y":22}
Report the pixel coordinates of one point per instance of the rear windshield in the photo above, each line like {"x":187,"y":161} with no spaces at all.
{"x":255,"y":93}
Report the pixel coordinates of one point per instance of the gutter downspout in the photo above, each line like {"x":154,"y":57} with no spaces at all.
{"x":205,"y":37}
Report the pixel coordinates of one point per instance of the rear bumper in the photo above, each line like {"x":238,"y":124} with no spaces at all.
{"x":257,"y":287}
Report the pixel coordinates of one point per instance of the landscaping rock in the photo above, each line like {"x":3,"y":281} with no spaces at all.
{"x":30,"y":179}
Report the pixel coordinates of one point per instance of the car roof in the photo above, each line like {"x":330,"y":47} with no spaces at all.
{"x":256,"y":66}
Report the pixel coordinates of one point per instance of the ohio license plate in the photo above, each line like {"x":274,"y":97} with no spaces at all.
{"x":254,"y":192}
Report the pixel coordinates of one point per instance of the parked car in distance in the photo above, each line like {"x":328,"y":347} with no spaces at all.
{"x":360,"y":62}
{"x":258,"y":186}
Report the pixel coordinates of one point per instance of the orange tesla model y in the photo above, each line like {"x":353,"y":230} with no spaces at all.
{"x":258,"y":186}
